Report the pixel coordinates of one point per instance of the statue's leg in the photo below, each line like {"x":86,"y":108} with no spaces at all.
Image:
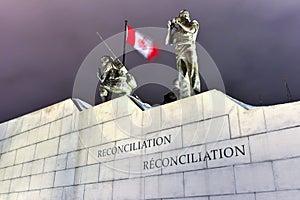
{"x":195,"y":79}
{"x":182,"y":68}
{"x":185,"y":87}
{"x":184,"y":78}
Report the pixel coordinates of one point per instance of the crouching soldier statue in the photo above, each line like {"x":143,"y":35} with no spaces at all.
{"x":114,"y":78}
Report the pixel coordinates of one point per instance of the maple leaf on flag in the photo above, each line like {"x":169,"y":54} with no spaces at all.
{"x":141,"y":43}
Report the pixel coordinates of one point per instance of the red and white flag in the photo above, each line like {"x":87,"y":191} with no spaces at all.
{"x":141,"y":43}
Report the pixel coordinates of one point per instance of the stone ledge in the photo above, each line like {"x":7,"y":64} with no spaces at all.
{"x":206,"y":105}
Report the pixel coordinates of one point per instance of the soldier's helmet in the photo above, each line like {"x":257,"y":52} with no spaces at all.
{"x":106,"y":59}
{"x":184,"y":13}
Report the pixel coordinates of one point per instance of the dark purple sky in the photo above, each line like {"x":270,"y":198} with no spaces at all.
{"x":254,"y":44}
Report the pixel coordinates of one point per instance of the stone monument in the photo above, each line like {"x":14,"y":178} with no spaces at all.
{"x":204,"y":147}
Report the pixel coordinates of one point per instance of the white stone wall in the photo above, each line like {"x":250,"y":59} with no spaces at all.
{"x":53,"y":153}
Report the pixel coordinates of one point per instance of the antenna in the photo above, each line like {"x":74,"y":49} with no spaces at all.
{"x":288,"y":92}
{"x":101,"y":38}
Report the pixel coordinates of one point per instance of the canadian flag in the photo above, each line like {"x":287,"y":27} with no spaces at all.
{"x":141,"y":43}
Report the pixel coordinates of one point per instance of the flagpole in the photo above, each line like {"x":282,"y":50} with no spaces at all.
{"x":124,"y":44}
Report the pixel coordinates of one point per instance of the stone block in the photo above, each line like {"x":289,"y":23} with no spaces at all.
{"x":140,"y":165}
{"x":49,"y":194}
{"x":130,"y":189}
{"x":1,"y":145}
{"x":131,"y":147}
{"x":25,"y":154}
{"x":67,"y":125}
{"x":123,"y":128}
{"x":279,"y":195}
{"x":287,"y":174}
{"x":96,"y":155}
{"x":77,"y":158}
{"x":4,"y":196}
{"x":55,"y":163}
{"x":7,"y":159}
{"x":74,"y":193}
{"x":151,"y":120}
{"x":282,"y":116}
{"x":252,"y":121}
{"x":19,"y":184}
{"x":234,"y":197}
{"x":47,"y":148}
{"x":114,"y":170}
{"x":52,"y":113}
{"x":29,"y":195}
{"x":31,"y":120}
{"x":64,"y":178}
{"x":106,"y":111}
{"x":13,"y":172}
{"x":186,"y":110}
{"x":275,"y":145}
{"x":19,"y":141}
{"x":55,"y":128}
{"x":98,"y":191}
{"x":42,"y":181}
{"x":202,"y":132}
{"x":69,"y":107}
{"x":229,"y":152}
{"x":4,"y":186}
{"x":216,"y":103}
{"x":13,"y":196}
{"x":106,"y":171}
{"x":218,"y":181}
{"x":87,"y":174}
{"x":116,"y":130}
{"x":76,"y":120}
{"x":3,"y":127}
{"x":14,"y":126}
{"x":38,"y":134}
{"x":136,"y":124}
{"x":61,"y":127}
{"x":6,"y":145}
{"x":164,"y":140}
{"x":254,"y":177}
{"x":164,"y":186}
{"x":125,"y":106}
{"x":192,"y":109}
{"x":109,"y":130}
{"x":188,"y":157}
{"x":172,"y":114}
{"x":34,"y":167}
{"x":121,"y":168}
{"x":90,"y":137}
{"x":234,"y":121}
{"x":86,"y":118}
{"x":2,"y":172}
{"x":69,"y":142}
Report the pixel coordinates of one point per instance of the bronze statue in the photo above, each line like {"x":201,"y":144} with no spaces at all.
{"x":114,"y":78}
{"x":182,"y":33}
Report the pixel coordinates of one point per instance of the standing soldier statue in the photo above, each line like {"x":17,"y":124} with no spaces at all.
{"x":114,"y":78}
{"x":182,"y":33}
